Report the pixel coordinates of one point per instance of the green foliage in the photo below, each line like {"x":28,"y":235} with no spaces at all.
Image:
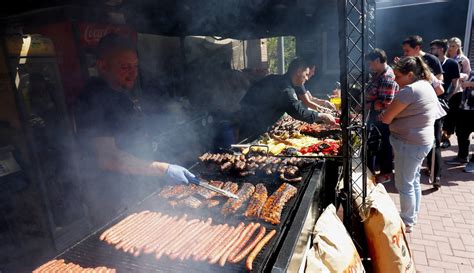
{"x":272,"y":47}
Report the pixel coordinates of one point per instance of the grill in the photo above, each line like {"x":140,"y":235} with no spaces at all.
{"x":91,"y":252}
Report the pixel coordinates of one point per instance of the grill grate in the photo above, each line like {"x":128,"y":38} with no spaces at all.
{"x":91,"y":252}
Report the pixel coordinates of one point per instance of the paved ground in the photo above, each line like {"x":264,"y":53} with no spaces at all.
{"x":443,"y":238}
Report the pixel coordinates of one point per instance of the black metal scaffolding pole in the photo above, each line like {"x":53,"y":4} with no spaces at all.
{"x":356,"y":38}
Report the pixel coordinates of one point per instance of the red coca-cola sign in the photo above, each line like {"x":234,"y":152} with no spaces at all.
{"x":91,"y":33}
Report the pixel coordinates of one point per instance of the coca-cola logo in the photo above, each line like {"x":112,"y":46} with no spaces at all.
{"x":93,"y":33}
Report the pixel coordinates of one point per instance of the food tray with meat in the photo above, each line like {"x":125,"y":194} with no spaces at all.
{"x":92,"y":252}
{"x":322,"y":130}
{"x":292,"y":138}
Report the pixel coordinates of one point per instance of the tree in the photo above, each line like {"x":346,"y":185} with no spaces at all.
{"x":272,"y":47}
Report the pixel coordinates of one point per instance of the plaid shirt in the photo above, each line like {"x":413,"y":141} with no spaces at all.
{"x":382,"y":87}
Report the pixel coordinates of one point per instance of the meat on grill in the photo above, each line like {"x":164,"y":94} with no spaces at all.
{"x":258,"y":248}
{"x":212,"y":203}
{"x":290,"y":174}
{"x":174,"y":191}
{"x":151,"y":232}
{"x":321,"y":130}
{"x":273,"y":207}
{"x":257,"y":201}
{"x":242,"y":166}
{"x":62,"y":266}
{"x":194,"y":196}
{"x":189,"y":201}
{"x":232,"y":205}
{"x":188,"y":191}
{"x":285,"y":127}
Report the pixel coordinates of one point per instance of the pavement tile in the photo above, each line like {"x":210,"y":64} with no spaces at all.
{"x":432,"y":253}
{"x":456,"y":244}
{"x":441,"y":264}
{"x":426,"y":243}
{"x":465,"y":269}
{"x":447,"y":234}
{"x":456,"y":260}
{"x":467,"y":240}
{"x":420,"y":257}
{"x":457,"y":219}
{"x":417,"y":247}
{"x":428,"y":269}
{"x":435,"y":238}
{"x":465,"y":254}
{"x":444,"y":248}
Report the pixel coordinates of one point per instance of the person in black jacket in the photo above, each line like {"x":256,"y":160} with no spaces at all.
{"x":269,"y":99}
{"x":117,"y":162}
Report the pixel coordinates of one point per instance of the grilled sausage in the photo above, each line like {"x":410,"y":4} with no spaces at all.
{"x":196,"y":244}
{"x":249,"y":248}
{"x":116,"y":227}
{"x":226,"y":244}
{"x":204,"y":247}
{"x":192,"y":232}
{"x":122,"y":237}
{"x":143,"y":237}
{"x":138,"y":233}
{"x":115,"y":236}
{"x":148,"y":234}
{"x":157,"y":236}
{"x":243,"y":242}
{"x":218,"y":244}
{"x":258,"y":248}
{"x":169,"y":234}
{"x":171,"y":239}
{"x":235,"y":244}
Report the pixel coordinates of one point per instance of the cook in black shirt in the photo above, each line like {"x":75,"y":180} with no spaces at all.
{"x":307,"y":98}
{"x":267,"y":100}
{"x":116,"y":148}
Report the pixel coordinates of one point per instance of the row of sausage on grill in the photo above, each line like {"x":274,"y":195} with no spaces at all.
{"x":188,"y":239}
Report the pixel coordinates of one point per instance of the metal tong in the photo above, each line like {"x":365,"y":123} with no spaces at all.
{"x":206,"y":185}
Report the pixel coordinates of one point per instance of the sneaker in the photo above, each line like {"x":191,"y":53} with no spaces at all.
{"x":408,"y":229}
{"x":469,"y":167}
{"x":437,"y":182}
{"x":445,"y":144}
{"x":456,"y":161}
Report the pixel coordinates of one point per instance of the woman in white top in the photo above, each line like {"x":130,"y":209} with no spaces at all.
{"x":455,"y":52}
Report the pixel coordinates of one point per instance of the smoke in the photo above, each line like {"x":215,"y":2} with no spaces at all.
{"x":440,"y":21}
{"x":188,"y":93}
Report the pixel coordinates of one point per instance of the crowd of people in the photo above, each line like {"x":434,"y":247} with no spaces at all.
{"x":414,"y":107}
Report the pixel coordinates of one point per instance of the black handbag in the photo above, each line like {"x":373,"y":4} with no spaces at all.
{"x":374,"y":139}
{"x":444,"y":104}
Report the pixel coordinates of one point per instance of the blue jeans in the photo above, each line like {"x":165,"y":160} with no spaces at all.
{"x":408,"y":160}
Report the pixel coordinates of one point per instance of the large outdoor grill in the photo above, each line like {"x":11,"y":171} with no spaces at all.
{"x":275,"y":256}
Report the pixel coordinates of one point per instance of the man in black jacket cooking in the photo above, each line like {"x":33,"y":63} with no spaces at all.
{"x":117,"y":163}
{"x":267,"y":100}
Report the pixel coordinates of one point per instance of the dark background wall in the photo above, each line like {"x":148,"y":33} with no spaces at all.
{"x":430,"y":21}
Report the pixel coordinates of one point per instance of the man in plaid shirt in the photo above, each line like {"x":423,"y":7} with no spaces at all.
{"x":379,"y":94}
